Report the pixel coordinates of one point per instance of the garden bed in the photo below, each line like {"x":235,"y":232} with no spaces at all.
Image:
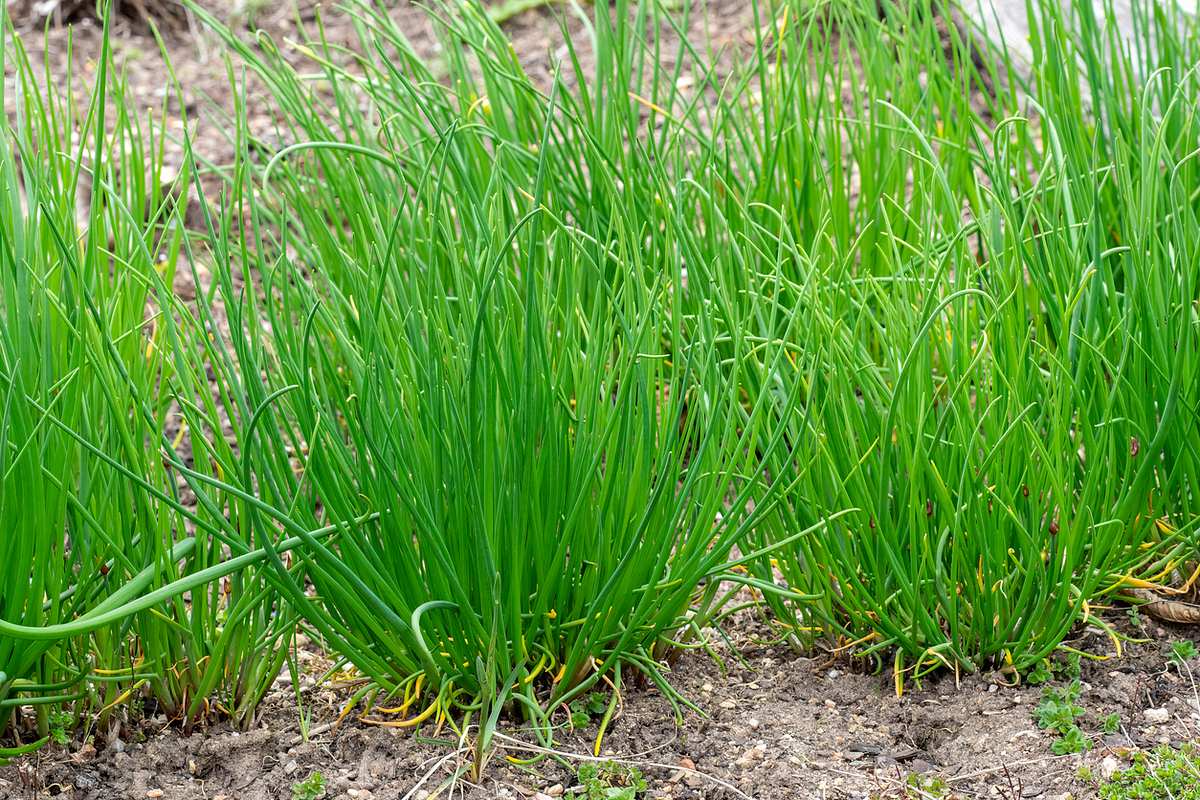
{"x":783,"y":610}
{"x":776,"y":726}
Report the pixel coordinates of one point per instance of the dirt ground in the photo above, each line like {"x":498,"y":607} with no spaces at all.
{"x":198,"y":62}
{"x":774,"y":725}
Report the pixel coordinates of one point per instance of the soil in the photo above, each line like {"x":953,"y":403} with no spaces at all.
{"x":196,"y":57}
{"x":771,"y":724}
{"x":775,"y":724}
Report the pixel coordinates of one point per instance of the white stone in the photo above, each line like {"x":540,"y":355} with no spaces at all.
{"x":1006,"y":22}
{"x":1156,"y":716}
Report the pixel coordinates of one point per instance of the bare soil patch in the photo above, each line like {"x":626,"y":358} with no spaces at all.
{"x":204,"y":75}
{"x":773,"y":724}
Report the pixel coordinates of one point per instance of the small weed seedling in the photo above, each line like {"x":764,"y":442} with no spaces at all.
{"x":1059,"y":712}
{"x":61,"y":722}
{"x":925,"y":786}
{"x":1073,"y":740}
{"x":584,"y":710}
{"x":609,"y":780}
{"x":311,"y":788}
{"x":1040,"y":674}
{"x":1183,"y":651}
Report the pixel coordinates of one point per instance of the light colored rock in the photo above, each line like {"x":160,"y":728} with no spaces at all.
{"x":1109,"y":767}
{"x":1005,"y":22}
{"x":752,"y":756}
{"x":1157,"y":716}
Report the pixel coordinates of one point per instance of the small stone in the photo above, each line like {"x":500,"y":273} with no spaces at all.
{"x":728,"y":704}
{"x":753,"y":723}
{"x":1109,"y":767}
{"x":154,"y":793}
{"x":555,"y":791}
{"x":685,"y":764}
{"x":751,"y":756}
{"x":86,"y":781}
{"x":706,"y":688}
{"x":866,"y":749}
{"x":1157,"y":716}
{"x":290,"y":768}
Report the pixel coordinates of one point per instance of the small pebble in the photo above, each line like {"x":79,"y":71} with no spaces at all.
{"x":153,"y":793}
{"x":754,"y":754}
{"x":1108,"y":767}
{"x":1157,"y":716}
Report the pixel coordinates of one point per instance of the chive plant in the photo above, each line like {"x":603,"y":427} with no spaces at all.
{"x":999,"y":371}
{"x":113,"y":446}
{"x":476,"y":333}
{"x":76,"y":531}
